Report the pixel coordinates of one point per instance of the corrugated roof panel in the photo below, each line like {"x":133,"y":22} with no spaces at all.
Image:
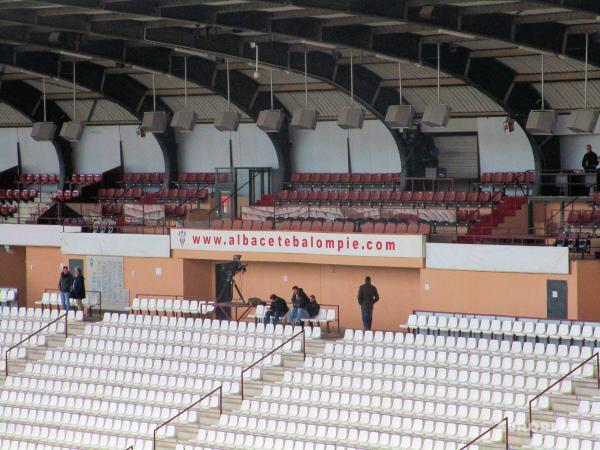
{"x":107,"y":111}
{"x":327,"y":103}
{"x":487,"y":44}
{"x":206,"y":106}
{"x":55,"y":86}
{"x":569,"y":94}
{"x":10,"y":116}
{"x":83,"y":108}
{"x":279,"y":77}
{"x":533,"y":64}
{"x":462,"y":99}
{"x":162,"y":81}
{"x":389,"y":71}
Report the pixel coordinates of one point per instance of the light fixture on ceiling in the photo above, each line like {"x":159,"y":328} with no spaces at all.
{"x":541,"y":121}
{"x":73,"y":129}
{"x":43,"y":131}
{"x":583,"y":120}
{"x":227,"y":120}
{"x":304,"y":118}
{"x":256,"y":74}
{"x":270,"y":121}
{"x":399,"y":116}
{"x":437,"y":115}
{"x":351,"y":117}
{"x":154,"y":121}
{"x":184,"y":120}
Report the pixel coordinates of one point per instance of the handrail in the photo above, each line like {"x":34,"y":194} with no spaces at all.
{"x":560,"y":380}
{"x":220,"y":389}
{"x":230,"y":196}
{"x":562,"y":208}
{"x":32,"y":335}
{"x":269,"y":354}
{"x":503,"y":421}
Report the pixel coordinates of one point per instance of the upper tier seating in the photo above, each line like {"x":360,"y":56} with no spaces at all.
{"x":87,"y":178}
{"x":7,"y":211}
{"x":120,"y":195}
{"x":390,"y":198}
{"x":503,"y":180}
{"x":196,"y":178}
{"x":38,"y":178}
{"x":347,"y":180}
{"x":182,"y":195}
{"x":131,"y":179}
{"x":16,"y":195}
{"x":66,"y":195}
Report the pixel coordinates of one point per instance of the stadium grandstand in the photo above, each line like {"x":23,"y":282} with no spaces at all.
{"x":299,"y":224}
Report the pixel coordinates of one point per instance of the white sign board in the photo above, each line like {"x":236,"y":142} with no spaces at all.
{"x":498,"y":258}
{"x":139,"y":245}
{"x":338,"y":244}
{"x":105,"y":274}
{"x":33,"y":235}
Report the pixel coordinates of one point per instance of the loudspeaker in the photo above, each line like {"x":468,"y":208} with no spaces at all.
{"x":43,"y":131}
{"x":154,"y":122}
{"x":227,"y":121}
{"x":436,"y":115}
{"x":541,"y":121}
{"x":582,"y":120}
{"x":351,"y":118}
{"x":399,"y":116}
{"x":72,"y":131}
{"x":270,"y":121}
{"x":184,"y":121}
{"x":304,"y":119}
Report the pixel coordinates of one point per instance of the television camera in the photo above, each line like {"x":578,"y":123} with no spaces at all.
{"x":230,"y":270}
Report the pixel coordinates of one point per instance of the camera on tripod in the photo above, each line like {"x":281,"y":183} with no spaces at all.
{"x":234,"y":267}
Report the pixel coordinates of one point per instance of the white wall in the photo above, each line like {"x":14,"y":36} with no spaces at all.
{"x":207,"y":148}
{"x":140,"y":154}
{"x":8,"y":148}
{"x":500,"y":151}
{"x":372,"y":149}
{"x":36,"y":157}
{"x":98,"y":150}
{"x":572,"y":145}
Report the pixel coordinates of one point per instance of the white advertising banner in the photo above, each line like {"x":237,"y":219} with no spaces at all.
{"x":498,"y":258}
{"x":33,"y":235}
{"x":99,"y":244}
{"x":338,"y":244}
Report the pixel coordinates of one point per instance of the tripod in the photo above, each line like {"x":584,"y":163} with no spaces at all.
{"x":226,"y":291}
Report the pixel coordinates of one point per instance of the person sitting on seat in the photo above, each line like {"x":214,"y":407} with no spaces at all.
{"x":277,"y":310}
{"x":313,"y":307}
{"x":299,"y":302}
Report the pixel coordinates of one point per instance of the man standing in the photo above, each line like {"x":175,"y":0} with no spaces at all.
{"x":590,"y":159}
{"x":65,"y":285}
{"x":367,"y":297}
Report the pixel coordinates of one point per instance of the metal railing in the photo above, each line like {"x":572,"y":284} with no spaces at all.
{"x":560,"y":380}
{"x":489,"y":430}
{"x":32,"y":335}
{"x":220,"y":389}
{"x":98,"y":305}
{"x":255,"y":363}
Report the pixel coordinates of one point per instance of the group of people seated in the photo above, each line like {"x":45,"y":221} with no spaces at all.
{"x":304,"y":307}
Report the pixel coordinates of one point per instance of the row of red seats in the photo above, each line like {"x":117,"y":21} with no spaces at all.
{"x":38,"y":178}
{"x":66,"y":195}
{"x":16,"y":195}
{"x":596,"y":198}
{"x":86,"y":178}
{"x":131,"y":178}
{"x":341,"y":179}
{"x":120,"y":194}
{"x":584,"y":217}
{"x":7,"y":211}
{"x":197,"y":178}
{"x":176,"y":210}
{"x":182,"y":195}
{"x":507,"y":178}
{"x":112,"y":209}
{"x":238,"y":224}
{"x":389,"y":197}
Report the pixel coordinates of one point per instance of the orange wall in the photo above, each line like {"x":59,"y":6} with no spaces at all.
{"x":588,"y":289}
{"x":490,"y":292}
{"x":43,"y":270}
{"x":198,"y":278}
{"x":12,"y":272}
{"x":141,"y":276}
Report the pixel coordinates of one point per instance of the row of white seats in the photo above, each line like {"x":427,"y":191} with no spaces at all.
{"x":470,"y":345}
{"x":575,"y":427}
{"x":22,"y":326}
{"x":191,"y":324}
{"x":419,"y":391}
{"x":53,"y":299}
{"x":18,"y":353}
{"x":506,"y":364}
{"x":152,"y":397}
{"x":549,"y":441}
{"x":78,"y":439}
{"x":171,"y":306}
{"x":325,"y":315}
{"x":294,"y":440}
{"x":380,"y":419}
{"x":119,"y":410}
{"x":14,"y":444}
{"x":8,"y":295}
{"x":519,"y":328}
{"x":451,"y":377}
{"x":29,"y":313}
{"x":589,"y":408}
{"x":8,"y":340}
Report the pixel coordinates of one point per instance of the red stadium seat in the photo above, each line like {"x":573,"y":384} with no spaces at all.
{"x":497,"y":177}
{"x":345,"y":197}
{"x":428,"y":197}
{"x":338,"y":226}
{"x":317,"y":226}
{"x":496,"y":197}
{"x":379,"y":228}
{"x":293,"y":197}
{"x":345,"y":179}
{"x":247,"y":224}
{"x":472,"y":197}
{"x":354,"y":197}
{"x":313,"y":197}
{"x":596,"y":217}
{"x":335,"y":178}
{"x":487,"y":178}
{"x":417,"y":197}
{"x":296,"y":225}
{"x":413,"y":228}
{"x":450,"y":197}
{"x":305,"y":178}
{"x":322,"y":196}
{"x":586,"y":216}
{"x":439,"y":197}
{"x":462,"y":197}
{"x":295,"y":178}
{"x":401,"y":228}
{"x":333,"y":197}
{"x":407,"y":196}
{"x":368,"y":227}
{"x":306,"y":225}
{"x":303,"y":196}
{"x":424,"y":228}
{"x":356,"y":178}
{"x":267,"y":225}
{"x":386,"y":197}
{"x":365,"y":197}
{"x":390,"y":228}
{"x":236,"y":225}
{"x":283,"y":196}
{"x":376,"y":197}
{"x":574,"y":217}
{"x":348,"y":227}
{"x":286,"y":225}
{"x":327,"y":226}
{"x":484,"y":197}
{"x":217,"y":224}
{"x":508,"y":178}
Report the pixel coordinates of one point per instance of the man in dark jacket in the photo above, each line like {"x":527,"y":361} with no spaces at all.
{"x":299,"y":302}
{"x":313,"y":307}
{"x":78,"y":292}
{"x":590,"y":159}
{"x":277,"y":310}
{"x":65,"y":284}
{"x":367,"y":297}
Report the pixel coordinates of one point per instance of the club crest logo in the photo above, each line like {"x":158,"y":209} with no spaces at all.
{"x":182,"y":237}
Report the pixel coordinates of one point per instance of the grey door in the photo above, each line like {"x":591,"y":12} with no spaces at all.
{"x":557,"y":298}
